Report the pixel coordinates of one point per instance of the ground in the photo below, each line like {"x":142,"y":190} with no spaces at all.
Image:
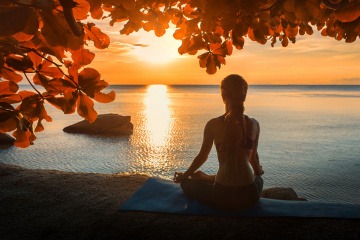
{"x":45,"y":204}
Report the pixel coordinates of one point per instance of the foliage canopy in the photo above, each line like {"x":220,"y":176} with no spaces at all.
{"x":45,"y":42}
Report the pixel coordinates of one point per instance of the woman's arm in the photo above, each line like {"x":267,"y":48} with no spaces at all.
{"x":254,"y":157}
{"x":203,"y":154}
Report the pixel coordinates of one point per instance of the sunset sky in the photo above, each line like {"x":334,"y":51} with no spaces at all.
{"x":143,"y":58}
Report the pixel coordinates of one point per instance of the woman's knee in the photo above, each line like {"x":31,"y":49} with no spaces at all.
{"x":259,"y":181}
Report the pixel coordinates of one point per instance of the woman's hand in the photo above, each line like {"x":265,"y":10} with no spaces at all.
{"x":178,"y":177}
{"x":260,"y":172}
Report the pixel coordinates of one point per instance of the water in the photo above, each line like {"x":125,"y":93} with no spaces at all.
{"x":310,"y":136}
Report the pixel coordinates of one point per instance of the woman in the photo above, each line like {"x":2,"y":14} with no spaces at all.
{"x":238,"y":183}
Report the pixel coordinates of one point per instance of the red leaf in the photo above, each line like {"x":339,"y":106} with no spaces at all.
{"x":39,"y":127}
{"x":128,"y":4}
{"x":81,"y":9}
{"x":211,"y":65}
{"x":8,"y":125}
{"x":100,"y":39}
{"x":349,"y":13}
{"x":35,"y":58}
{"x":52,"y":72}
{"x":15,"y":19}
{"x":104,"y":97}
{"x":90,"y":83}
{"x":85,"y":108}
{"x":82,"y":56}
{"x":179,"y":33}
{"x":57,"y":32}
{"x":23,"y":138}
{"x":67,"y":103}
{"x":203,"y":59}
{"x":15,"y":98}
{"x":95,"y":9}
{"x":8,"y":87}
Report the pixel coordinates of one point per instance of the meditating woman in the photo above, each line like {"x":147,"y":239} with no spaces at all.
{"x":238,"y":183}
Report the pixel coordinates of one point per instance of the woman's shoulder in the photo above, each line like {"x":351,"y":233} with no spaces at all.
{"x":217,"y":120}
{"x":252,"y":122}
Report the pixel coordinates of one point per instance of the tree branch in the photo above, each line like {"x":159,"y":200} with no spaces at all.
{"x":33,"y":86}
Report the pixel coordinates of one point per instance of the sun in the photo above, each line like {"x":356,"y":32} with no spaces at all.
{"x":159,"y":50}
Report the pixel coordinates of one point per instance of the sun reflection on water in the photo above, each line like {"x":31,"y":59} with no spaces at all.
{"x":158,"y":115}
{"x":156,"y":131}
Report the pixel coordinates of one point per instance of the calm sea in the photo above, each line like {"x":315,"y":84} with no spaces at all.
{"x":310,"y":136}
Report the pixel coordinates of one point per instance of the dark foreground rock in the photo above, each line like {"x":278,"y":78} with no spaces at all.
{"x":6,"y":140}
{"x":45,"y":204}
{"x":281,"y":193}
{"x":106,"y":125}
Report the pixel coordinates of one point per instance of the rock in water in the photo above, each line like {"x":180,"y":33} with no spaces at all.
{"x":281,"y":193}
{"x":6,"y":140}
{"x":106,"y":125}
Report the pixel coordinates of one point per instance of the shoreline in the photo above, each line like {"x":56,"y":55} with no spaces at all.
{"x":51,"y":204}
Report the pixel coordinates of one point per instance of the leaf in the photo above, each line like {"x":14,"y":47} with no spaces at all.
{"x":39,"y":127}
{"x":90,"y":83}
{"x":95,"y":9}
{"x":100,"y":39}
{"x":211,"y":64}
{"x":82,"y":56}
{"x":349,"y":13}
{"x":301,"y":11}
{"x":8,"y":125}
{"x":6,"y":106}
{"x":227,"y":46}
{"x":85,"y":108}
{"x":18,"y":16}
{"x":203,"y":59}
{"x":57,"y":32}
{"x":23,"y":138}
{"x":19,"y":63}
{"x":67,"y":103}
{"x":8,"y":87}
{"x":61,"y":85}
{"x":5,"y":116}
{"x":104,"y":97}
{"x":289,"y":5}
{"x":291,"y":32}
{"x":284,"y":41}
{"x":179,"y":34}
{"x":128,"y":4}
{"x":184,"y":46}
{"x":42,"y":46}
{"x":35,"y":58}
{"x":81,"y":9}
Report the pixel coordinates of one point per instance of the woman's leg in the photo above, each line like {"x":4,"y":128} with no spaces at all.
{"x":259,"y":182}
{"x":198,"y":189}
{"x":203,"y":176}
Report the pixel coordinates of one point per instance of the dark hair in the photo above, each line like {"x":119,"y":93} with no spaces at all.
{"x":233,"y":91}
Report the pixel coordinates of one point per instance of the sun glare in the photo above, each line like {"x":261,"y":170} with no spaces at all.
{"x":158,"y":115}
{"x":160,"y":50}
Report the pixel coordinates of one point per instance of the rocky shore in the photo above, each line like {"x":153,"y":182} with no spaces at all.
{"x":47,"y":204}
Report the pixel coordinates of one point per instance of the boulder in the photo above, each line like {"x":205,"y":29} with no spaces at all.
{"x":106,"y":125}
{"x":281,"y":193}
{"x":6,"y":140}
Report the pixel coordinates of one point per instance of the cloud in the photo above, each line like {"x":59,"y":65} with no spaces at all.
{"x":140,"y":45}
{"x":353,"y":80}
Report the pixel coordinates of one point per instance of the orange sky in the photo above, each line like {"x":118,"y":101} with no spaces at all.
{"x":143,"y":58}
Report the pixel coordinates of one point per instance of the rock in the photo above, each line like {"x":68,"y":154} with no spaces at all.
{"x":281,"y":193}
{"x":6,"y":140}
{"x":105,"y":125}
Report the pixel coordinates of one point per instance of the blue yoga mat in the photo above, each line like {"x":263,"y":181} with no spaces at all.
{"x":161,"y":195}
